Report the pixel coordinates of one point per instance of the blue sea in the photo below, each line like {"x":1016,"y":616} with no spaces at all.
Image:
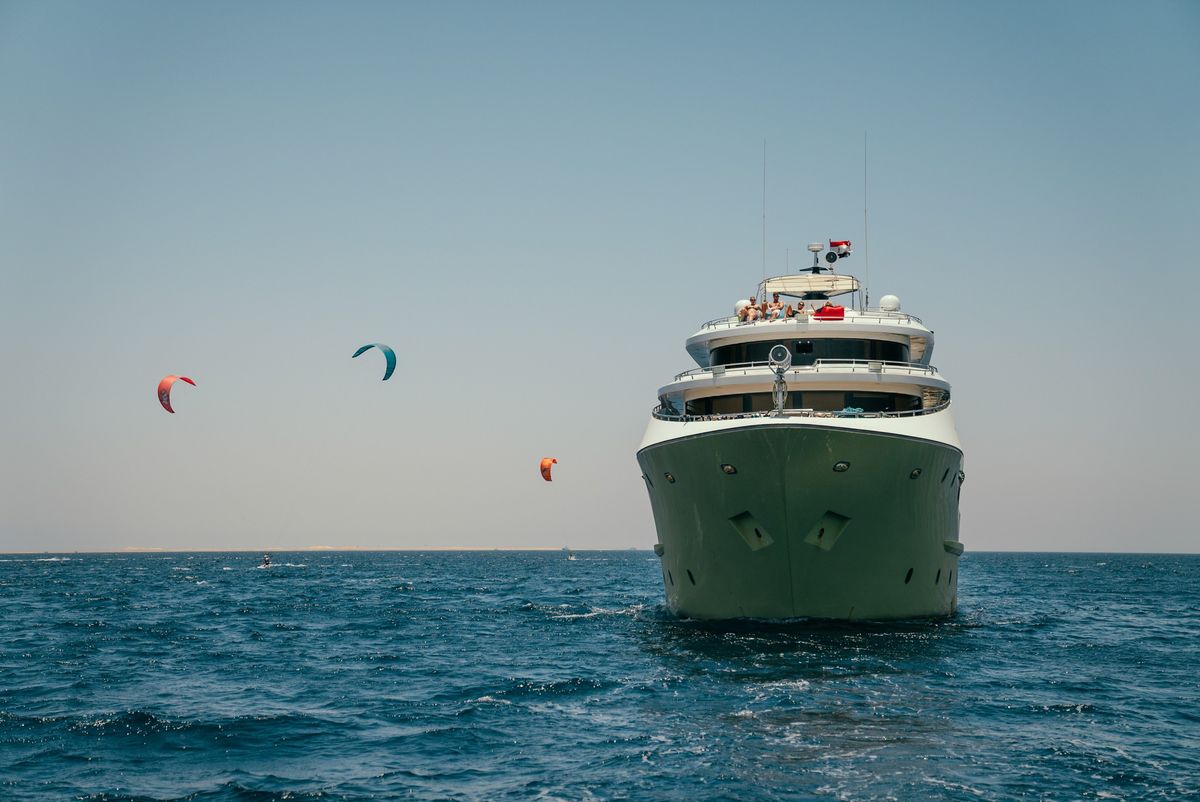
{"x":527,"y":676}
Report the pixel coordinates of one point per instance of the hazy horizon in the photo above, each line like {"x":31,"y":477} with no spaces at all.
{"x":473,"y":549}
{"x":535,"y":204}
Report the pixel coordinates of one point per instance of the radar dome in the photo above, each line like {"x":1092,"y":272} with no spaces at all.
{"x":889,"y":303}
{"x":740,"y":305}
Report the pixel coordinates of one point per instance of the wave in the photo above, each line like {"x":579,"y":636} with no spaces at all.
{"x":233,"y":791}
{"x":1064,"y":707}
{"x":567,"y":612}
{"x":131,"y":722}
{"x":145,"y":723}
{"x":524,"y":691}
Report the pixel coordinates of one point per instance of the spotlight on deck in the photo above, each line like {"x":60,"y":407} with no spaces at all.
{"x":780,"y":357}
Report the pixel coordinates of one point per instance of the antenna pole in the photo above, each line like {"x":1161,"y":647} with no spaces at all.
{"x":866,"y":236}
{"x":764,"y":211}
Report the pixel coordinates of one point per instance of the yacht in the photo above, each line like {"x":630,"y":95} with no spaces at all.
{"x":809,"y":466}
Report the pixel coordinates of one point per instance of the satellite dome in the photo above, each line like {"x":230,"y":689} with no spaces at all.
{"x":889,"y":303}
{"x":740,"y":305}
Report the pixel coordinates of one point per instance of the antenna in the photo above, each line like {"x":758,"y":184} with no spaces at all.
{"x":866,"y":237}
{"x":764,"y":211}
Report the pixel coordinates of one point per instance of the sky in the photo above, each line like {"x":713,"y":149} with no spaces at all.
{"x":535,"y":204}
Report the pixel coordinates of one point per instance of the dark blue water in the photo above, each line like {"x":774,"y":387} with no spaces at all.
{"x":493,"y":676}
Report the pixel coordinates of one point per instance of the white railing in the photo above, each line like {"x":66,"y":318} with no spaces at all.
{"x":820,"y":366}
{"x":871,"y":316}
{"x":680,"y":417}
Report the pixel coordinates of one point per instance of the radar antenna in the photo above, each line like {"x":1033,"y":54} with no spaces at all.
{"x":815,"y":249}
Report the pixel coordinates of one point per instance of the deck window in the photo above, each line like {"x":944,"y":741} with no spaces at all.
{"x":806,"y":352}
{"x":882,"y":402}
{"x":760,"y":402}
{"x":816,"y":400}
{"x":727,"y":405}
{"x":823,"y":401}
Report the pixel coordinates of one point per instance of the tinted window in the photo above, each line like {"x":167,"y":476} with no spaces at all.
{"x":816,"y":400}
{"x":882,"y":402}
{"x":806,"y":352}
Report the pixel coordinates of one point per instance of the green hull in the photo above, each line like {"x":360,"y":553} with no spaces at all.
{"x":788,"y":536}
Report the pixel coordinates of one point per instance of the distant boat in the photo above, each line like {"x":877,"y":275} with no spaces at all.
{"x":266,"y":563}
{"x":570,"y":554}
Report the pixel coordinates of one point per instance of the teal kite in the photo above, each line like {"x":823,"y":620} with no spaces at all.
{"x":388,"y":353}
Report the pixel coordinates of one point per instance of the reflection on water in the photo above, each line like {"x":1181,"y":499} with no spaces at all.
{"x":808,"y":649}
{"x":812,"y":696}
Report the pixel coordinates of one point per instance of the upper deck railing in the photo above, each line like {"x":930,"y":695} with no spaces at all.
{"x":851,"y":316}
{"x":819,"y":366}
{"x":679,"y":417}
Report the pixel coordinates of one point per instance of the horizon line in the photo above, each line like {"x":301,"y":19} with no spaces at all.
{"x":417,"y":549}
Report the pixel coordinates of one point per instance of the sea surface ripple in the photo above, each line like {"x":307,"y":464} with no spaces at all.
{"x":524,"y":675}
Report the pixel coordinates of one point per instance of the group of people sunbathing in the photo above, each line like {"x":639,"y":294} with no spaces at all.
{"x":775,"y":309}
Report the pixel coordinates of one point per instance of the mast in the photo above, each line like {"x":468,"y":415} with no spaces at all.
{"x":866,"y":237}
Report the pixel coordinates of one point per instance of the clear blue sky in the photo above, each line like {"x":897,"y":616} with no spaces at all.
{"x":535,"y":204}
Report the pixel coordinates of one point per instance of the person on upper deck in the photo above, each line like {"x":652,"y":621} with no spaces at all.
{"x":830,"y":311}
{"x":749,"y":313}
{"x":798,"y":311}
{"x":773,"y":309}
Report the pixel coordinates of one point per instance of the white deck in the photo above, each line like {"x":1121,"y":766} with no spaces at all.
{"x":873,"y":324}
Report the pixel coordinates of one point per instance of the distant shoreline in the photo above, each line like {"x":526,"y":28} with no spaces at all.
{"x":500,"y":549}
{"x":319,"y":549}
